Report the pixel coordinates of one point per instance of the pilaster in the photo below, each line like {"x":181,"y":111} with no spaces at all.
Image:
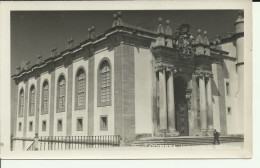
{"x":37,"y":124}
{"x":52,"y":99}
{"x":25,"y":112}
{"x":69,"y":100}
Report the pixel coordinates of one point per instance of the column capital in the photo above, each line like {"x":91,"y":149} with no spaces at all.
{"x":171,"y":69}
{"x":160,"y":68}
{"x":209,"y":75}
{"x":204,"y":74}
{"x":167,"y":68}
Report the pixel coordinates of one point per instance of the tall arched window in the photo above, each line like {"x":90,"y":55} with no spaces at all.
{"x":21,"y":102}
{"x":32,"y":100}
{"x":104,"y":83}
{"x":61,"y":94}
{"x":80,"y":89}
{"x":45,"y":97}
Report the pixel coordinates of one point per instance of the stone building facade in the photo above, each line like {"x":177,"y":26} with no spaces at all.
{"x":133,"y":82}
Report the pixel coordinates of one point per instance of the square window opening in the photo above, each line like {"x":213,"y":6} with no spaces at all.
{"x":227,"y":88}
{"x":43,"y":125}
{"x":229,"y":110}
{"x":30,"y":126}
{"x":59,"y":126}
{"x":79,"y":124}
{"x":103,"y":123}
{"x":20,"y":126}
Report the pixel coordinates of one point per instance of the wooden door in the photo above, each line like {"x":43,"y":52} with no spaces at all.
{"x":182,"y":120}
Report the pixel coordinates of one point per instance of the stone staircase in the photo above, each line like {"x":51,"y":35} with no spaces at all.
{"x":183,"y":141}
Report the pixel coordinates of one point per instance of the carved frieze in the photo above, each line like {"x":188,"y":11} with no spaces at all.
{"x":204,"y":74}
{"x":184,"y":41}
{"x":166,"y":68}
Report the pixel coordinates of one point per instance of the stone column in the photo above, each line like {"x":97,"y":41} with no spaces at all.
{"x":162,"y":101}
{"x":203,"y":112}
{"x":209,"y":102}
{"x":170,"y":100}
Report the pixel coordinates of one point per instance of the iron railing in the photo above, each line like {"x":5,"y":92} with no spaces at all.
{"x":74,"y":142}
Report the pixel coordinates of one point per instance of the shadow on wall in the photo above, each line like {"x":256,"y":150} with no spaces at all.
{"x":225,"y":70}
{"x":215,"y":91}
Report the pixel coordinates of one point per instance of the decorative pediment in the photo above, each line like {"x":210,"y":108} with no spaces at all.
{"x":184,"y":41}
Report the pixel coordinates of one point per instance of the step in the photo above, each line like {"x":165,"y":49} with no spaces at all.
{"x":179,"y":141}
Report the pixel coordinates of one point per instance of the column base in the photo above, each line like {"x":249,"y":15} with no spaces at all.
{"x":204,"y":132}
{"x":210,"y":132}
{"x":167,"y":133}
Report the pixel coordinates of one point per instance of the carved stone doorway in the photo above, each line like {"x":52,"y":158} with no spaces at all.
{"x":181,"y":106}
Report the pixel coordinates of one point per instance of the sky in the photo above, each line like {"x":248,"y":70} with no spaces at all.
{"x":34,"y":32}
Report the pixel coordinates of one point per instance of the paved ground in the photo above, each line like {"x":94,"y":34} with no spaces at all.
{"x":222,"y":146}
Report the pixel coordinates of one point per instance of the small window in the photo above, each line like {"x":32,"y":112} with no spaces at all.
{"x":61,"y":92}
{"x":32,"y":100}
{"x":227,"y":88}
{"x":80,"y":89}
{"x":43,"y":125}
{"x":79,"y":124}
{"x":229,"y":110}
{"x":30,"y":126}
{"x":103,"y":123}
{"x":45,"y":97}
{"x":21,"y":102}
{"x":104,"y":84}
{"x":20,"y":126}
{"x":59,"y":126}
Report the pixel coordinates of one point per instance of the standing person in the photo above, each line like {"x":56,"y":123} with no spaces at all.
{"x":216,"y":137}
{"x":35,"y":144}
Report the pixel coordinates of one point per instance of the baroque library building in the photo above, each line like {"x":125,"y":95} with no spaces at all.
{"x":134,"y":82}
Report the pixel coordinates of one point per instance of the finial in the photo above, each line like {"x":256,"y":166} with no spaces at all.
{"x":218,"y":39}
{"x":168,"y":30}
{"x":119,"y":14}
{"x":70,"y":43}
{"x":160,"y":29}
{"x":119,"y":20}
{"x":114,"y":15}
{"x":89,"y":32}
{"x":93,"y":28}
{"x":115,"y":20}
{"x":18,"y":68}
{"x":199,"y":39}
{"x":28,"y":64}
{"x":205,"y":40}
{"x":54,"y":48}
{"x":53,"y":51}
{"x":93,"y":32}
{"x":39,"y":58}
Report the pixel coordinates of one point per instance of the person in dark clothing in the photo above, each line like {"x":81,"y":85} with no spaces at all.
{"x":216,"y":137}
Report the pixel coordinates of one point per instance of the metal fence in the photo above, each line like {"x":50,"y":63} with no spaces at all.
{"x":44,"y":143}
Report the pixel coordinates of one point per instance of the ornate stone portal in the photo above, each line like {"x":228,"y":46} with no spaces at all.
{"x":175,"y":65}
